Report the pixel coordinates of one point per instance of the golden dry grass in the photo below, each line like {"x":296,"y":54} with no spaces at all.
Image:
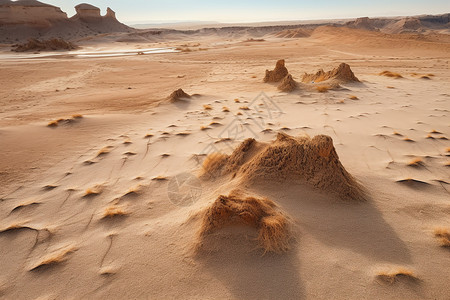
{"x":390,"y":74}
{"x":340,"y":102}
{"x":54,"y":258}
{"x":77,"y":116}
{"x":417,"y":162}
{"x":447,"y":150}
{"x":434,"y":131}
{"x":244,"y":108}
{"x":407,"y":139}
{"x":239,"y":113}
{"x":259,"y":213}
{"x":114,"y":211}
{"x":207,"y":107}
{"x":237,"y":100}
{"x":94,"y":191}
{"x":159,"y":178}
{"x":322,"y":88}
{"x":148,"y":135}
{"x":443,"y":236}
{"x":225,"y":109}
{"x":395,"y":275}
{"x":204,"y":128}
{"x":397,"y":133}
{"x":103,"y":151}
{"x":183,"y":133}
{"x":390,"y":87}
{"x":353,"y":97}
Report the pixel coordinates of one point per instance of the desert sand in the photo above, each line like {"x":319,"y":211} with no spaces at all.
{"x":316,"y":186}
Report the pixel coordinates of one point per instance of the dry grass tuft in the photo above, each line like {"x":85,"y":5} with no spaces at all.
{"x":244,"y":108}
{"x":447,"y":150}
{"x":390,"y":74}
{"x":94,"y":191}
{"x":430,"y":137}
{"x":260,"y":213}
{"x":237,"y":100}
{"x":393,"y":276}
{"x":215,"y":124}
{"x":397,"y":133}
{"x":443,"y":235}
{"x":340,"y":102}
{"x":77,"y":116}
{"x":390,"y":87}
{"x":183,"y":133}
{"x":207,"y":107}
{"x":214,"y":162}
{"x":148,"y":135}
{"x":407,"y":139}
{"x":322,"y":88}
{"x":114,"y":211}
{"x":203,"y":128}
{"x":225,"y":109}
{"x":435,"y":132}
{"x":54,"y":258}
{"x":417,"y":162}
{"x":352,"y":97}
{"x":159,"y":178}
{"x":104,"y":151}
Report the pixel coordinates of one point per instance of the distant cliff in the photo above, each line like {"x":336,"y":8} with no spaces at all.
{"x":24,"y":19}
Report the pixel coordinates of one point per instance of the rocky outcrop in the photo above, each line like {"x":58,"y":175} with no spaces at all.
{"x":27,"y":19}
{"x":29,"y":12}
{"x":87,"y":11}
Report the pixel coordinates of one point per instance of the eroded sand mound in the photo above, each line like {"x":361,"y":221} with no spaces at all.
{"x":259,"y":213}
{"x":341,"y":74}
{"x":287,"y":159}
{"x":44,"y":45}
{"x":278,"y":73}
{"x":178,"y":95}
{"x":288,"y":84}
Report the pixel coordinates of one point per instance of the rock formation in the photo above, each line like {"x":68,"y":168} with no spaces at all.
{"x":25,"y":19}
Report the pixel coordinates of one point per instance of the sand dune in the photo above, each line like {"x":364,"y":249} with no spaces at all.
{"x":115,"y":186}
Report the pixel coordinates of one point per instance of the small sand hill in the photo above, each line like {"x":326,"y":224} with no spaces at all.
{"x":362,"y":23}
{"x":278,"y":73}
{"x":260,"y":213}
{"x":178,"y":95}
{"x":287,"y":159}
{"x":288,"y":84}
{"x":341,"y":74}
{"x":44,"y":45}
{"x":405,"y":25}
{"x":293,"y":33}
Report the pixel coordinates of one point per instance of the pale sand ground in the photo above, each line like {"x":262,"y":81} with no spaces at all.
{"x":340,"y":246}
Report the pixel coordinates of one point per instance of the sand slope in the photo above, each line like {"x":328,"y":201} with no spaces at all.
{"x":87,"y":207}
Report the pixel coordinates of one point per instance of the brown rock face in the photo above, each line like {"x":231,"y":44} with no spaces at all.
{"x":178,"y":95}
{"x":278,"y":73}
{"x":110,"y":13}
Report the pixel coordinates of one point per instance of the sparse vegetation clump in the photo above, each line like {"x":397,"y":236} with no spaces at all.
{"x":352,"y":97}
{"x":390,"y":74}
{"x":63,"y":121}
{"x":207,"y":107}
{"x":94,"y":191}
{"x":443,"y":236}
{"x":259,"y":213}
{"x":114,"y":211}
{"x":417,"y":162}
{"x":396,"y":275}
{"x":54,"y":258}
{"x":323,"y":88}
{"x":44,"y":45}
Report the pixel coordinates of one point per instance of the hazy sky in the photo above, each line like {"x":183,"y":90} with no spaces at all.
{"x":132,"y":11}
